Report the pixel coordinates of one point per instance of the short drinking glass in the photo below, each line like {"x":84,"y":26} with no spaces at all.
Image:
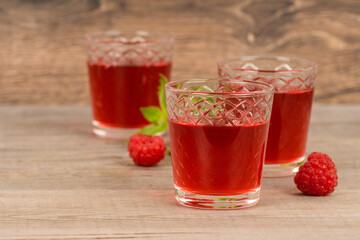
{"x":293,"y":79}
{"x":218,"y":130}
{"x":124,"y":68}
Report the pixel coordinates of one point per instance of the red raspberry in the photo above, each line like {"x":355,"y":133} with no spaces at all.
{"x":146,"y":150}
{"x":317,"y":176}
{"x":318,"y":155}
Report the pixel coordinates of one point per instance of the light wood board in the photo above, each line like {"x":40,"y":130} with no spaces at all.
{"x":58,"y":181}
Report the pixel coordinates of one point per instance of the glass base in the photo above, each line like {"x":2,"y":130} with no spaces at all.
{"x":282,"y":170}
{"x":112,"y":133}
{"x":227,"y":202}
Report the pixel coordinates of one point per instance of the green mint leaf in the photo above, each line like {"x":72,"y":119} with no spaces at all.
{"x":152,"y":114}
{"x":154,"y":128}
{"x":229,"y":89}
{"x":202,"y":88}
{"x":161,"y":92}
{"x":168,"y":152}
{"x":155,"y":115}
{"x":198,"y":99}
{"x":211,"y":100}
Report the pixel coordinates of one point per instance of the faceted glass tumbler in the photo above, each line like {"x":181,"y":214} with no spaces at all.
{"x":293,"y":80}
{"x":218,"y":131}
{"x":124,"y":73}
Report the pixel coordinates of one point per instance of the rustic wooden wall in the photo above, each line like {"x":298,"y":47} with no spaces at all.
{"x":42,"y":58}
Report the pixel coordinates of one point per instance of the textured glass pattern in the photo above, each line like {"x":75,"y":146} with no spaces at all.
{"x":219,"y":102}
{"x":128,"y":48}
{"x":285,"y":74}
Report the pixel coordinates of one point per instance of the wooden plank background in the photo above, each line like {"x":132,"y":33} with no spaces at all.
{"x":42,"y":56}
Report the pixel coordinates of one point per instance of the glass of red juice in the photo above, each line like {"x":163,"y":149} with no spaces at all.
{"x":293,"y":80}
{"x":124,"y":68}
{"x":218,"y":131}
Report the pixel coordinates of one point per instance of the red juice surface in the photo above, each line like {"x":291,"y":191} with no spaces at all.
{"x":212,"y":160}
{"x":118,"y":92}
{"x":290,"y":118}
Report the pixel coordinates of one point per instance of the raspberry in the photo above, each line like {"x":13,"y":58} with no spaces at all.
{"x":146,"y":150}
{"x":318,"y":155}
{"x":317,"y":176}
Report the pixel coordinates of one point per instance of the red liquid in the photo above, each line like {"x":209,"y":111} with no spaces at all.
{"x":217,"y":160}
{"x":289,"y":126}
{"x":118,"y":92}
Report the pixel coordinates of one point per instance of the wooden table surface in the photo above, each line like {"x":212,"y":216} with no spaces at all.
{"x":58,"y":181}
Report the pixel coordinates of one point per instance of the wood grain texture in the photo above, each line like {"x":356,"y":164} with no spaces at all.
{"x":57,"y":181}
{"x":42,"y":56}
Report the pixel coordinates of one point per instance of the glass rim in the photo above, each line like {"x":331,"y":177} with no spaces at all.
{"x":98,"y":37}
{"x":172,"y":87}
{"x":226,"y":62}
